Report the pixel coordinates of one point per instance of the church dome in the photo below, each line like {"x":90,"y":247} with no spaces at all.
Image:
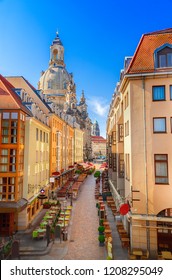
{"x":55,"y":79}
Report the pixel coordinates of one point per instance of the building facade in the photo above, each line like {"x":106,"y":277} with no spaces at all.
{"x":139,"y":137}
{"x":36,"y":149}
{"x":57,"y":84}
{"x":12,"y":146}
{"x":98,"y":146}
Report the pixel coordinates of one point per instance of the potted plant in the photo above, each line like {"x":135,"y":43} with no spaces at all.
{"x":101,"y":239}
{"x":46,"y":205}
{"x":101,"y":230}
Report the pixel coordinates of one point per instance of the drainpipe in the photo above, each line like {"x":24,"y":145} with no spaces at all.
{"x":145,"y":160}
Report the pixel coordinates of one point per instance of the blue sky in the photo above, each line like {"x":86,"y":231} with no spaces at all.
{"x":97,"y":35}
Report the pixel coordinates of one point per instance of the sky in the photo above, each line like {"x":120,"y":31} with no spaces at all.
{"x":96,"y":35}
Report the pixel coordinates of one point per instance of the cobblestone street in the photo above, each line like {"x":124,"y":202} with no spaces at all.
{"x":83,"y":239}
{"x":82,"y":242}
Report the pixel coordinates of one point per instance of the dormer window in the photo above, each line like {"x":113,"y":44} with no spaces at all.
{"x":163,"y":56}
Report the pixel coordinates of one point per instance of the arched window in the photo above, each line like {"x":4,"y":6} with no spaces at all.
{"x":163,"y":56}
{"x":55,"y":54}
{"x":165,"y":213}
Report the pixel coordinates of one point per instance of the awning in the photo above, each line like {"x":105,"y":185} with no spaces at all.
{"x":13,"y":206}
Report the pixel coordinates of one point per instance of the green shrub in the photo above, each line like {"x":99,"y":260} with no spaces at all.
{"x":101,"y":228}
{"x":97,"y":174}
{"x":101,"y":238}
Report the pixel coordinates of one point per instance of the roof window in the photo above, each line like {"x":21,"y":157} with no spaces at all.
{"x":163,"y":56}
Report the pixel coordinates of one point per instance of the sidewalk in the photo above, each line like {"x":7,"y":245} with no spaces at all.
{"x":82,"y":243}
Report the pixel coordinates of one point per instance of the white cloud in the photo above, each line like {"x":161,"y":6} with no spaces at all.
{"x":98,"y":106}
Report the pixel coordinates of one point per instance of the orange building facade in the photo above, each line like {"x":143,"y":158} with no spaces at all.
{"x":12,"y":137}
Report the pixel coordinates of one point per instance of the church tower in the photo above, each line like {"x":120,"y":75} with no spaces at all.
{"x":57,"y":52}
{"x":95,"y":131}
{"x":56,"y":82}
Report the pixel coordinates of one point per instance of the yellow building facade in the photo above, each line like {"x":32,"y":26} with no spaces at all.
{"x":78,"y":145}
{"x":36,"y":152}
{"x":139,"y":133}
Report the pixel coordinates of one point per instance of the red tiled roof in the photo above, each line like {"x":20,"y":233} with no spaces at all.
{"x":143,"y":59}
{"x":7,"y":89}
{"x":3,"y":92}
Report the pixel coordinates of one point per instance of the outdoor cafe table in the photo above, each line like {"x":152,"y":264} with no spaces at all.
{"x":49,"y":217}
{"x":63,"y":218}
{"x":41,"y":230}
{"x":107,"y":231}
{"x":121,"y":230}
{"x":43,"y":224}
{"x":54,"y":208}
{"x":106,"y":223}
{"x":52,"y":212}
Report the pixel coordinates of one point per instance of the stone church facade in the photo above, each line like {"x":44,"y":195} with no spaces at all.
{"x":59,"y":87}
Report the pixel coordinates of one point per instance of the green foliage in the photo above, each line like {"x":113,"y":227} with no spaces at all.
{"x":97,"y":174}
{"x":46,"y":203}
{"x":101,"y":222}
{"x":52,"y":230}
{"x":78,"y":171}
{"x":101,"y":238}
{"x":101,"y":228}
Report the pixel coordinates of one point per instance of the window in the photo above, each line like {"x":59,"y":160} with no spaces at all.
{"x":46,"y":137}
{"x":171,"y":92}
{"x":114,"y":167}
{"x":6,"y":116}
{"x":161,"y":169}
{"x":121,"y":166}
{"x":9,"y":128}
{"x":49,"y":84}
{"x":163,"y":56}
{"x":14,"y":116}
{"x":110,"y":160}
{"x":158,"y":93}
{"x":120,"y":133}
{"x":114,"y":137}
{"x":159,"y":125}
{"x":7,"y":188}
{"x":37,"y":134}
{"x":41,"y":135}
{"x":127,"y":164}
{"x":110,"y":140}
{"x":127,"y":128}
{"x":126,"y":100}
